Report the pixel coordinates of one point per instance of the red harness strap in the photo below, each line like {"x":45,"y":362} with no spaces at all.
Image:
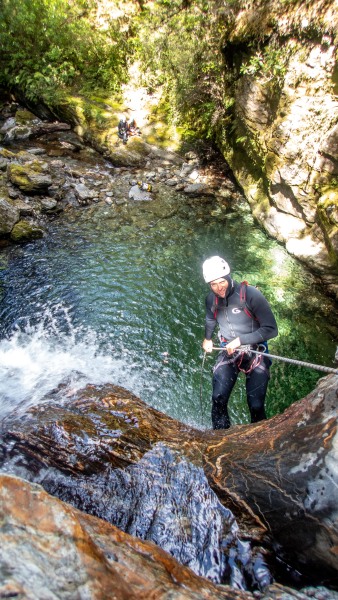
{"x":256,"y":361}
{"x":242,"y":299}
{"x":216,"y":304}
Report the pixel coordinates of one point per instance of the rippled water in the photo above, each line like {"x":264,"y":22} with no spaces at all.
{"x":118,"y":297}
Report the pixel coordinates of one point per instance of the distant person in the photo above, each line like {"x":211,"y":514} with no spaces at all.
{"x":133,"y":129}
{"x":244,"y":317}
{"x":122,"y":130}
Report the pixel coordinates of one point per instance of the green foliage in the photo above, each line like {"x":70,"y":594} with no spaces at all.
{"x":179,"y":49}
{"x":271,"y":62}
{"x":48,"y":45}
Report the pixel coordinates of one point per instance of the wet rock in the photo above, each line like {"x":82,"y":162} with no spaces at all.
{"x":51,"y":550}
{"x":135,"y":193}
{"x":83,"y":193}
{"x":23,"y":231}
{"x":292,"y":481}
{"x":278,"y":477}
{"x":197,"y":189}
{"x":166,"y":499}
{"x":49,"y":205}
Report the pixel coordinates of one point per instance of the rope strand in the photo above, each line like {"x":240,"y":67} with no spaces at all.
{"x":293,"y":361}
{"x":201,"y":388}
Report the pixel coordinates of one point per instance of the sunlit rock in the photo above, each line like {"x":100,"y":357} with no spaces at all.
{"x":284,"y":151}
{"x":132,"y":154}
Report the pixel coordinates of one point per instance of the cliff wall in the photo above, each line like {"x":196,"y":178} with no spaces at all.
{"x":281,"y":81}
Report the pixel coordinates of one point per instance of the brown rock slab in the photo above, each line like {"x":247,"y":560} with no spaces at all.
{"x":48,"y":549}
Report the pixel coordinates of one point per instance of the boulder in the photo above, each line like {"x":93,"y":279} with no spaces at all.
{"x":48,"y":549}
{"x":24,"y":231}
{"x":197,"y":189}
{"x":31,"y":177}
{"x":278,"y":477}
{"x":132,"y":154}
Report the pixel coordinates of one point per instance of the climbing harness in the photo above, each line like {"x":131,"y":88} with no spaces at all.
{"x":259,"y":353}
{"x":247,"y":349}
{"x":293,"y":361}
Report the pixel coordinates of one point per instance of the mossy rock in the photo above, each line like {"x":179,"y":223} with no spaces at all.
{"x":328,"y":219}
{"x":7,"y":153}
{"x":328,"y":206}
{"x":30,"y":178}
{"x":24,"y":116}
{"x":96,"y":117}
{"x":132,"y":154}
{"x":23,"y":231}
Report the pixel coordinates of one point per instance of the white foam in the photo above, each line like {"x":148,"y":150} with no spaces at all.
{"x":34,"y":360}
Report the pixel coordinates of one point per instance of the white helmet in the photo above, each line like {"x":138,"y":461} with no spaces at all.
{"x":214,"y":268}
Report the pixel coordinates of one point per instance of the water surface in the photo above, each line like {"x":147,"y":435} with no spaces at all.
{"x":116,"y":295}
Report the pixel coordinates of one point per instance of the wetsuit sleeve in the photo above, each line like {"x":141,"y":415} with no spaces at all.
{"x":210,"y":320}
{"x":261,"y":310}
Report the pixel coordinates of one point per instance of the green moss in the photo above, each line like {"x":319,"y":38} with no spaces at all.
{"x":29,"y":177}
{"x":23,"y":116}
{"x":7,"y":153}
{"x":328,"y":207}
{"x":24,"y":232}
{"x":18,"y":175}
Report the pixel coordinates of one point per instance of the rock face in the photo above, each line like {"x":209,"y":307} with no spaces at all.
{"x":278,"y":477}
{"x":9,"y":213}
{"x":284,"y":472}
{"x":50,"y":550}
{"x":284,"y":150}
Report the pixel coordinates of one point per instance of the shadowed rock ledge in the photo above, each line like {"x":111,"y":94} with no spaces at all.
{"x":279,"y":477}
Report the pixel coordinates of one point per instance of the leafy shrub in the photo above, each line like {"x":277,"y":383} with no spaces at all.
{"x":48,"y":45}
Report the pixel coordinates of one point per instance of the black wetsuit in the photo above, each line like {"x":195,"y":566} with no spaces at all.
{"x":254,"y":323}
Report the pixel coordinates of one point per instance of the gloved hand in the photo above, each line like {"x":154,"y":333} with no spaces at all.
{"x":207,"y":345}
{"x":233,"y":345}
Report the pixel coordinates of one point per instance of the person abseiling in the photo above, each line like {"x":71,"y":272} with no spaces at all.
{"x":244,"y":317}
